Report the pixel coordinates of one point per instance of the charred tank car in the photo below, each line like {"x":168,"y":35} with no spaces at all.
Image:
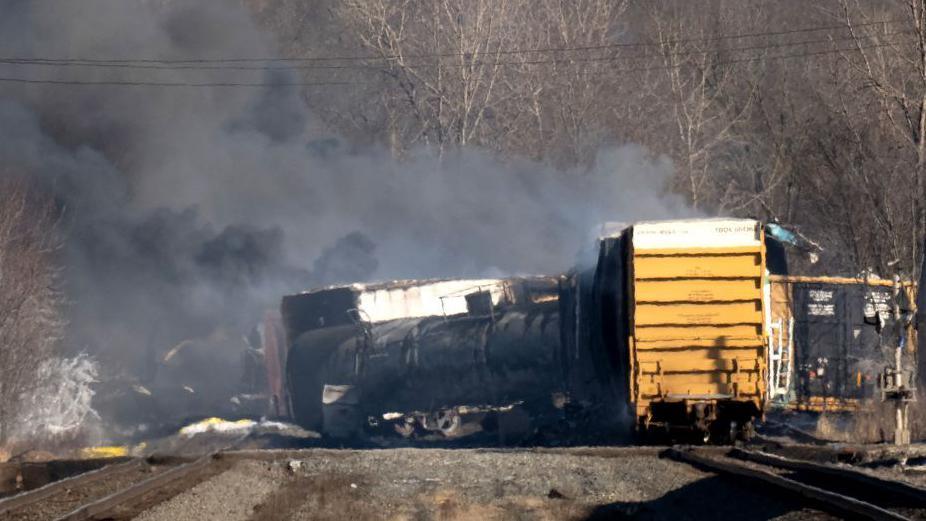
{"x":441,"y":359}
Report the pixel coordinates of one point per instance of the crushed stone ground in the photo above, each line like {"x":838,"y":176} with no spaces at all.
{"x":425,"y":484}
{"x":230,"y":496}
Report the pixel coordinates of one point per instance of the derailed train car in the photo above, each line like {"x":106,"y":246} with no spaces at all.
{"x":672,"y":323}
{"x":831,"y":338}
{"x":665,"y":334}
{"x":675,"y":329}
{"x":416,"y":358}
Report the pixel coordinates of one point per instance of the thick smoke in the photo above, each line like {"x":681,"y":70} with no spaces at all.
{"x":186,"y":209}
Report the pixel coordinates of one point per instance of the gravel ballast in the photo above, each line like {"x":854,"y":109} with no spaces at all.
{"x":412,"y":484}
{"x":231,"y":495}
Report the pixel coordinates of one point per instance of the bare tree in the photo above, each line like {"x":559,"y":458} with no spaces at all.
{"x":820,"y":125}
{"x":498,"y":75}
{"x":445,"y":99}
{"x":888,"y":61}
{"x":30,"y":300}
{"x":570,"y":92}
{"x":708,"y":96}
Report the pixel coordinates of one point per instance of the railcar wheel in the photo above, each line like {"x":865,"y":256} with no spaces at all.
{"x":450,"y":424}
{"x":405,"y":429}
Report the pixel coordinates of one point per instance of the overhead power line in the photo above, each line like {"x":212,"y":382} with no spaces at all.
{"x":343,"y":83}
{"x":484,"y":61}
{"x":537,"y":50}
{"x":129,"y":83}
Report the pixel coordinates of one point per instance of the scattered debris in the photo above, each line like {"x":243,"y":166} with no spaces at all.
{"x":243,"y":427}
{"x":295,"y":465}
{"x":217,"y":425}
{"x":115,"y":451}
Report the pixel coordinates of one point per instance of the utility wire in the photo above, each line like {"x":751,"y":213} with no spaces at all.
{"x":539,"y":50}
{"x":344,"y":83}
{"x":484,"y":61}
{"x":128,"y":83}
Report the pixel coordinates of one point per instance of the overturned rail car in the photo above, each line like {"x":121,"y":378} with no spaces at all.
{"x":664,"y":334}
{"x":417,"y":358}
{"x":830,"y":338}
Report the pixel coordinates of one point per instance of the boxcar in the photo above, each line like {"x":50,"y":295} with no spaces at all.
{"x":828,"y":339}
{"x":696,"y":326}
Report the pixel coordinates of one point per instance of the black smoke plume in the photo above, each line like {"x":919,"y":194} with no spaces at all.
{"x":191,"y":210}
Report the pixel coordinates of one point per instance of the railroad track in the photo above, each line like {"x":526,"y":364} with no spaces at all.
{"x":116,"y":491}
{"x":837,"y":489}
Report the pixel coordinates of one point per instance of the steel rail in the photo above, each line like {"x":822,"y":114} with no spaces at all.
{"x":890,"y":486}
{"x":31,"y":497}
{"x":832,"y":501}
{"x":106,"y":504}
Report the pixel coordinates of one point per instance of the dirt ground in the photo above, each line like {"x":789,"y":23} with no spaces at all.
{"x":446,"y":484}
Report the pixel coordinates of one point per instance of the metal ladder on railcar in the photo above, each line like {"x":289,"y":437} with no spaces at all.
{"x":780,"y":354}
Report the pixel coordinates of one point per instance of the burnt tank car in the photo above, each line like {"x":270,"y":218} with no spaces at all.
{"x":423,"y":357}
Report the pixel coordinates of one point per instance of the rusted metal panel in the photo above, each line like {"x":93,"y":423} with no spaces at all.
{"x":273,"y":343}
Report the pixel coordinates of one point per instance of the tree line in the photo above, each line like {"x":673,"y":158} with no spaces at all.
{"x":809,"y":113}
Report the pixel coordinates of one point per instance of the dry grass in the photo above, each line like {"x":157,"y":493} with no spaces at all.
{"x":918,"y":418}
{"x":873,"y":422}
{"x":321,"y":497}
{"x":449,"y":505}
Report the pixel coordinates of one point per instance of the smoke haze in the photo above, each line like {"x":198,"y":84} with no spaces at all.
{"x":184,"y":208}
